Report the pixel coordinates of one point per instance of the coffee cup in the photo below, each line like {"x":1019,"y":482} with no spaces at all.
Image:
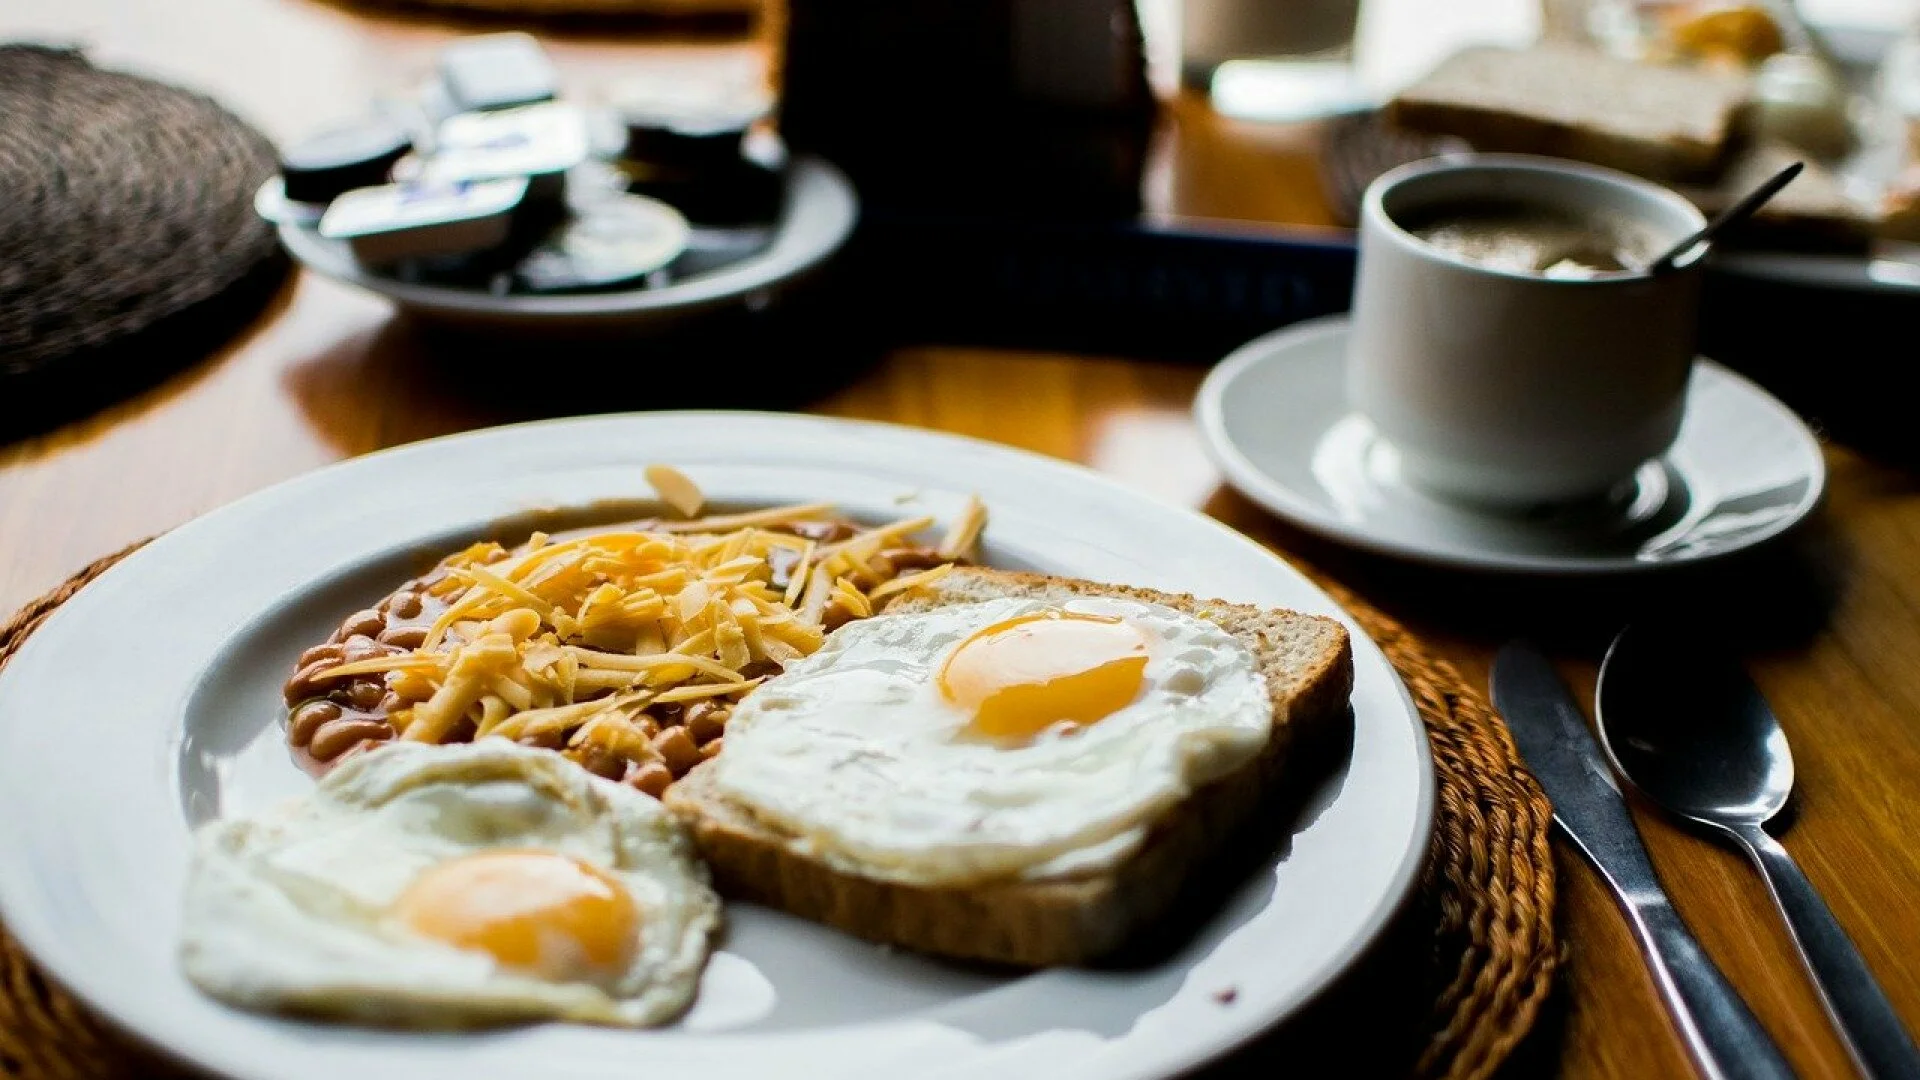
{"x":1507,"y":341}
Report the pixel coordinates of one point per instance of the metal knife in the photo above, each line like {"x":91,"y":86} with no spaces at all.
{"x":1721,"y":1034}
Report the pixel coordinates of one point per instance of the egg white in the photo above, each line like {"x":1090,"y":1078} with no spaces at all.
{"x":289,"y":911}
{"x":856,"y":754}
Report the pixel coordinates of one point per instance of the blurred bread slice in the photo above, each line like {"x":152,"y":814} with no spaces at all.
{"x":1307,"y":663}
{"x":1815,"y":212}
{"x":1663,"y":123}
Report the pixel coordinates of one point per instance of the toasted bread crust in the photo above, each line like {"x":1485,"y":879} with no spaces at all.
{"x":1664,"y":123}
{"x":1307,"y":663}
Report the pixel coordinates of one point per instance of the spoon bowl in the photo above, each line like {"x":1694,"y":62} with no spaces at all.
{"x":1688,"y":728}
{"x":1684,"y":724}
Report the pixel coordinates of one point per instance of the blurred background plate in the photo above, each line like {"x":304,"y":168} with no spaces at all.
{"x":818,"y":215}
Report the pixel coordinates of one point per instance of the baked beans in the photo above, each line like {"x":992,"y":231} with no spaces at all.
{"x":331,"y":716}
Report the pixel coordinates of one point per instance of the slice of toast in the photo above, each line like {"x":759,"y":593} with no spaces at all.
{"x":1813,"y":213}
{"x":1307,"y":662}
{"x":1663,"y":123}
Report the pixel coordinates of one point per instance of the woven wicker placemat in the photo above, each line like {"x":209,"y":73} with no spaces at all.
{"x":127,"y":231}
{"x":1489,"y":881}
{"x":1355,"y":149}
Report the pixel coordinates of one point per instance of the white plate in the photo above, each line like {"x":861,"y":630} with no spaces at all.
{"x":819,"y":214}
{"x":1274,"y":417}
{"x":150,"y":701}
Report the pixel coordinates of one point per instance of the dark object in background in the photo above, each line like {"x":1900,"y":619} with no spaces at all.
{"x":497,"y":71}
{"x":1116,"y":288}
{"x":1838,"y":356}
{"x":319,"y":168}
{"x":999,"y":146}
{"x":741,"y":192}
{"x":692,"y":135}
{"x":1035,"y":108}
{"x":128,"y":242}
{"x":693,"y":155}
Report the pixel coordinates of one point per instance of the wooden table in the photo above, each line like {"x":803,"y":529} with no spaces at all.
{"x":1830,"y":621}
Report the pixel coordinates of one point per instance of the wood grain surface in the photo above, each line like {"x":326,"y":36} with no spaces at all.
{"x":1830,"y":621}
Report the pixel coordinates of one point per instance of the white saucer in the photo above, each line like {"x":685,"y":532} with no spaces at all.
{"x":1275,"y":419}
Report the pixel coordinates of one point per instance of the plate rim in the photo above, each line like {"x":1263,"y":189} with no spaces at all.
{"x":1392,"y":900}
{"x":1280,"y":500}
{"x":814,"y":180}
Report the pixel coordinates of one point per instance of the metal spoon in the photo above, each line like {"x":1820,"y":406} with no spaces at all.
{"x":1691,"y":731}
{"x":1740,"y":211}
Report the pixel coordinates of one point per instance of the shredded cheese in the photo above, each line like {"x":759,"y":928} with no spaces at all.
{"x":675,"y":489}
{"x":571,"y":642}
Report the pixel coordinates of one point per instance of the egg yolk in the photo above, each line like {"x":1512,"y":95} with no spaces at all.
{"x":537,"y":912}
{"x":1024,"y":675}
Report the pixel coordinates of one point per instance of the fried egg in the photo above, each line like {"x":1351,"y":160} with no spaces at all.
{"x":441,"y":886}
{"x":1004,"y":738}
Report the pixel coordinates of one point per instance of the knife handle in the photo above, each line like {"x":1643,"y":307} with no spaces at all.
{"x":1723,"y":1037}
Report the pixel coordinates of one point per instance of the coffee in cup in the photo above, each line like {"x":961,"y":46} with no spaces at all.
{"x":1507,"y":339}
{"x":1536,"y":238}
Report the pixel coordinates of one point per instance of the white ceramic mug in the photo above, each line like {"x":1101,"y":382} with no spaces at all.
{"x":1511,"y":389}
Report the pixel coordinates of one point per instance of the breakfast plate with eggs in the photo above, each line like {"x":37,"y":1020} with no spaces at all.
{"x":703,"y":744}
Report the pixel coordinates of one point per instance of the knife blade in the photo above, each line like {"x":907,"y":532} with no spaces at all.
{"x":1720,"y":1032}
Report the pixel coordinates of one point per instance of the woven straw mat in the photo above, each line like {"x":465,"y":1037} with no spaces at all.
{"x":124,"y":205}
{"x":1489,"y":882}
{"x":1355,"y":149}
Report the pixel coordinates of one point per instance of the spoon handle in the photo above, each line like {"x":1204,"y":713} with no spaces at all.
{"x":1868,"y":1025}
{"x":1722,"y":1036}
